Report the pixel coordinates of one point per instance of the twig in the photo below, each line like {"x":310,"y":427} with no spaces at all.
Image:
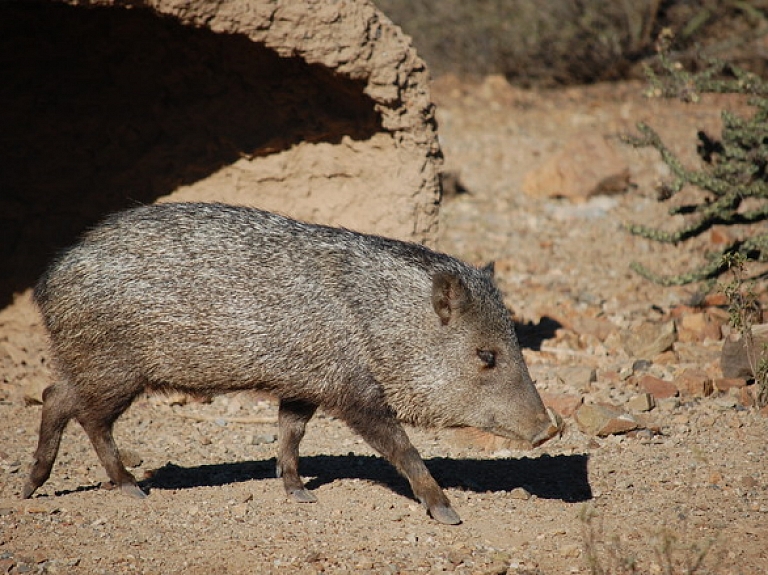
{"x":246,"y":420}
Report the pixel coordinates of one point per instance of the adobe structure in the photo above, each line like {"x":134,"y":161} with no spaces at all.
{"x":320,"y":110}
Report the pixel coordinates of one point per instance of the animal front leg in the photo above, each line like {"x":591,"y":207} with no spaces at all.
{"x":388,"y":437}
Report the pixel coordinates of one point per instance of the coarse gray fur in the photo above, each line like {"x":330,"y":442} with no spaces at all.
{"x":210,"y":298}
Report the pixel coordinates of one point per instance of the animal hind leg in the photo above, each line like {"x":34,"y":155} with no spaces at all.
{"x":57,"y":411}
{"x":97,"y":418}
{"x":292,"y":422}
{"x":100,"y":434}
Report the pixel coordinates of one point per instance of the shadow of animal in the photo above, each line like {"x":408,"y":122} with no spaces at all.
{"x":562,"y":477}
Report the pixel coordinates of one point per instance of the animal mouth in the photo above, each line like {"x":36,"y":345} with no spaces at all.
{"x":554,"y":427}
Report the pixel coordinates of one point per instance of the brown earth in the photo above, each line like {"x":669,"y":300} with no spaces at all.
{"x":693,"y":473}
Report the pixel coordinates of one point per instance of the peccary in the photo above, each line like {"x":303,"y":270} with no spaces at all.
{"x":210,"y":298}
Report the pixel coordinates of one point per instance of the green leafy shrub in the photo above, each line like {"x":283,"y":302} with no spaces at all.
{"x":735,"y":165}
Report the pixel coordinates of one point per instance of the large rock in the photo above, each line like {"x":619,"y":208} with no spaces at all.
{"x":739,"y":359}
{"x":585,"y":167}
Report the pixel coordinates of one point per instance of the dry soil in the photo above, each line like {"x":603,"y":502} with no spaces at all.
{"x":694,"y":479}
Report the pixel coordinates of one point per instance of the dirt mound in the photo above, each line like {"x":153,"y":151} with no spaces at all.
{"x":322,"y":113}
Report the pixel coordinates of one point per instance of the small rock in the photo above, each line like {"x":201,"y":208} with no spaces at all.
{"x":570,"y":550}
{"x":747,"y":396}
{"x":130,"y":458}
{"x":716,"y":299}
{"x":458,"y":553}
{"x":649,"y":339}
{"x":33,"y":390}
{"x":726,"y":402}
{"x":577,"y":376}
{"x":643,"y":434}
{"x":641,"y":402}
{"x":694,"y":382}
{"x":698,"y":327}
{"x":495,"y":568}
{"x":599,"y":328}
{"x":748,"y":482}
{"x":727,"y":383}
{"x":264,"y":438}
{"x":666,"y":358}
{"x":520,"y":493}
{"x":33,"y":508}
{"x":563,"y":403}
{"x":641,"y":366}
{"x":668,"y":404}
{"x":658,"y":388}
{"x":603,"y":420}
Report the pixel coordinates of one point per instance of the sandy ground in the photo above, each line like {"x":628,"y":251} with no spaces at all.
{"x":695,"y":478}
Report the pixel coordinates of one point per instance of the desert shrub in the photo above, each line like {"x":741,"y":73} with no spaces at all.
{"x":734,"y":165}
{"x":568,"y":41}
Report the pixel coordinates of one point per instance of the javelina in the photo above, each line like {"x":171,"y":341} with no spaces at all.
{"x":209,"y":298}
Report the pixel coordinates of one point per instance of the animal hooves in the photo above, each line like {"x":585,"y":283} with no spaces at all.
{"x":445,"y":515}
{"x":132,"y":490}
{"x":302,"y":496}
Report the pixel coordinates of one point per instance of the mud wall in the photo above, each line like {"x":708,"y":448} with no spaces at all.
{"x":319,"y":110}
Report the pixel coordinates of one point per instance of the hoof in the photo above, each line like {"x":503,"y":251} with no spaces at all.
{"x":132,"y":490}
{"x":302,"y":496}
{"x":28,"y":490}
{"x":445,"y":515}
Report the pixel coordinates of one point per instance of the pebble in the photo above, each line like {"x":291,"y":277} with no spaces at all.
{"x":130,"y":458}
{"x":658,"y":388}
{"x":641,"y":402}
{"x":264,"y":438}
{"x":603,"y":420}
{"x":668,"y":404}
{"x":649,"y":339}
{"x":570,"y":550}
{"x":520,"y":493}
{"x":749,"y":482}
{"x":726,"y":402}
{"x":694,"y":382}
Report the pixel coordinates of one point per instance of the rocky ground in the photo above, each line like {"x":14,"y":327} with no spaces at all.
{"x":661,"y":461}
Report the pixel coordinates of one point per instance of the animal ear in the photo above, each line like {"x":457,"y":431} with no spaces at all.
{"x":490,"y":269}
{"x":449,"y":296}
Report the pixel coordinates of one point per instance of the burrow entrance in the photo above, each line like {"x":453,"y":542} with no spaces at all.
{"x":102,"y":108}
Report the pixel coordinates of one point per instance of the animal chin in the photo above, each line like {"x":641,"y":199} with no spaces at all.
{"x":509,"y":433}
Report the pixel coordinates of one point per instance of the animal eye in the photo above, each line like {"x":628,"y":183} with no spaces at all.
{"x":488,"y":357}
